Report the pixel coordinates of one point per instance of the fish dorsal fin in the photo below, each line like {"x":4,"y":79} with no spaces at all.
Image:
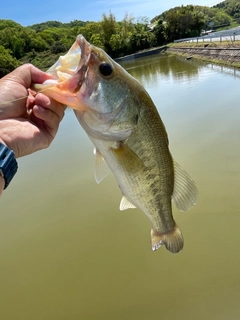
{"x":101,"y":169}
{"x":126,"y":204}
{"x":185,"y":193}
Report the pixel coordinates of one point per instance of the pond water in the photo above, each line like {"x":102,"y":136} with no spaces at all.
{"x":66,"y":250}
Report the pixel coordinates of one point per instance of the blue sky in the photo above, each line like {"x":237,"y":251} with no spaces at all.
{"x":28,"y":12}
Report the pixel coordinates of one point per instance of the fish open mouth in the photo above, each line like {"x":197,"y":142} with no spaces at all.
{"x":69,"y":73}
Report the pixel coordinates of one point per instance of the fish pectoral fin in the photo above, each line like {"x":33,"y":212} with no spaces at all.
{"x":126,"y":204}
{"x":185,"y":193}
{"x":129,"y":161}
{"x":172,"y":239}
{"x":101,"y":169}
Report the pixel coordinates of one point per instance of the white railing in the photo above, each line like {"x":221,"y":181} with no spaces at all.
{"x":226,"y":35}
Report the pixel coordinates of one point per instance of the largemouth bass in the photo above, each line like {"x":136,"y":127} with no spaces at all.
{"x":128,"y":134}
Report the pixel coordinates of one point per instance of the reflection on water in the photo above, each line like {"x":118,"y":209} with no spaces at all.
{"x":67,"y":252}
{"x":148,"y":71}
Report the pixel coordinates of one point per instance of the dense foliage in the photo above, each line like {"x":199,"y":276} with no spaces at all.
{"x":188,"y":21}
{"x":231,"y":7}
{"x":41,"y":44}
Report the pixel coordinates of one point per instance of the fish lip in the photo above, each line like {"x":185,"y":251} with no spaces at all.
{"x":85,"y":48}
{"x":74,"y":84}
{"x":80,"y":75}
{"x":69,"y":74}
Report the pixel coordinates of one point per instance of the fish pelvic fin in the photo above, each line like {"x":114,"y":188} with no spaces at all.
{"x":172,"y":239}
{"x":185,"y":193}
{"x":101,"y":169}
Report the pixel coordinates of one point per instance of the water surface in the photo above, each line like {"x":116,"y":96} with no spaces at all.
{"x":66,"y":250}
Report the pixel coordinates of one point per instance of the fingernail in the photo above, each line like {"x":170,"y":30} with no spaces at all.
{"x":41,"y":109}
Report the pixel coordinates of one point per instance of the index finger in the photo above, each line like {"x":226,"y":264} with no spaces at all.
{"x":28,"y":74}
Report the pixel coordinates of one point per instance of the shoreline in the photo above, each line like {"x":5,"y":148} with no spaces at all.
{"x":221,"y":53}
{"x":141,"y":54}
{"x":210,"y":52}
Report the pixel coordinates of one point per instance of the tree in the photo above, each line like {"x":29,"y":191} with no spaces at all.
{"x":109,"y":27}
{"x":58,"y":47}
{"x":96,"y":40}
{"x":159,"y":32}
{"x":9,"y":24}
{"x":230,"y":7}
{"x":183,"y":22}
{"x":91,"y":30}
{"x":7,"y":62}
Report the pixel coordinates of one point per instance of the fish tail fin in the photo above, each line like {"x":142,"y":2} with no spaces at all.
{"x":172,"y":239}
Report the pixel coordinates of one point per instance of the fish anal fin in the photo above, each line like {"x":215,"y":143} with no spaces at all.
{"x":185,"y":193}
{"x":101,"y":169}
{"x":126,"y":204}
{"x":172,"y":239}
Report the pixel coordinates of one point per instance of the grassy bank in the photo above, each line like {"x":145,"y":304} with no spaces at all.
{"x":187,"y":51}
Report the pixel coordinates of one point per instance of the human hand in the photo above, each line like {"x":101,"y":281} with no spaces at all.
{"x":30,"y":124}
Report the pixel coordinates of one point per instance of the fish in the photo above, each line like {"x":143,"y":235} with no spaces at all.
{"x":128,"y":135}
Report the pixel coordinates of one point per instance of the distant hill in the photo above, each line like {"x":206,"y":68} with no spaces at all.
{"x":56,"y":24}
{"x":189,"y":21}
{"x":231,"y":7}
{"x":216,"y":16}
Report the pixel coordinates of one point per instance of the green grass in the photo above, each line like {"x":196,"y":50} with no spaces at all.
{"x":217,"y":44}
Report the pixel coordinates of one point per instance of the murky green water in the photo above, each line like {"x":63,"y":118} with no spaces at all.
{"x":67,"y":252}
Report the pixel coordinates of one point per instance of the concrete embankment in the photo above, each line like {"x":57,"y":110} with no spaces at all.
{"x":142,"y":54}
{"x":217,"y":53}
{"x":222,"y":55}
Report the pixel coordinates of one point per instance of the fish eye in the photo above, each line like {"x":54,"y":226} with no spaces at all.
{"x":105,"y":69}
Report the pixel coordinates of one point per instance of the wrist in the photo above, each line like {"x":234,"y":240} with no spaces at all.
{"x":8,"y":165}
{"x":8,"y":139}
{"x":1,"y":141}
